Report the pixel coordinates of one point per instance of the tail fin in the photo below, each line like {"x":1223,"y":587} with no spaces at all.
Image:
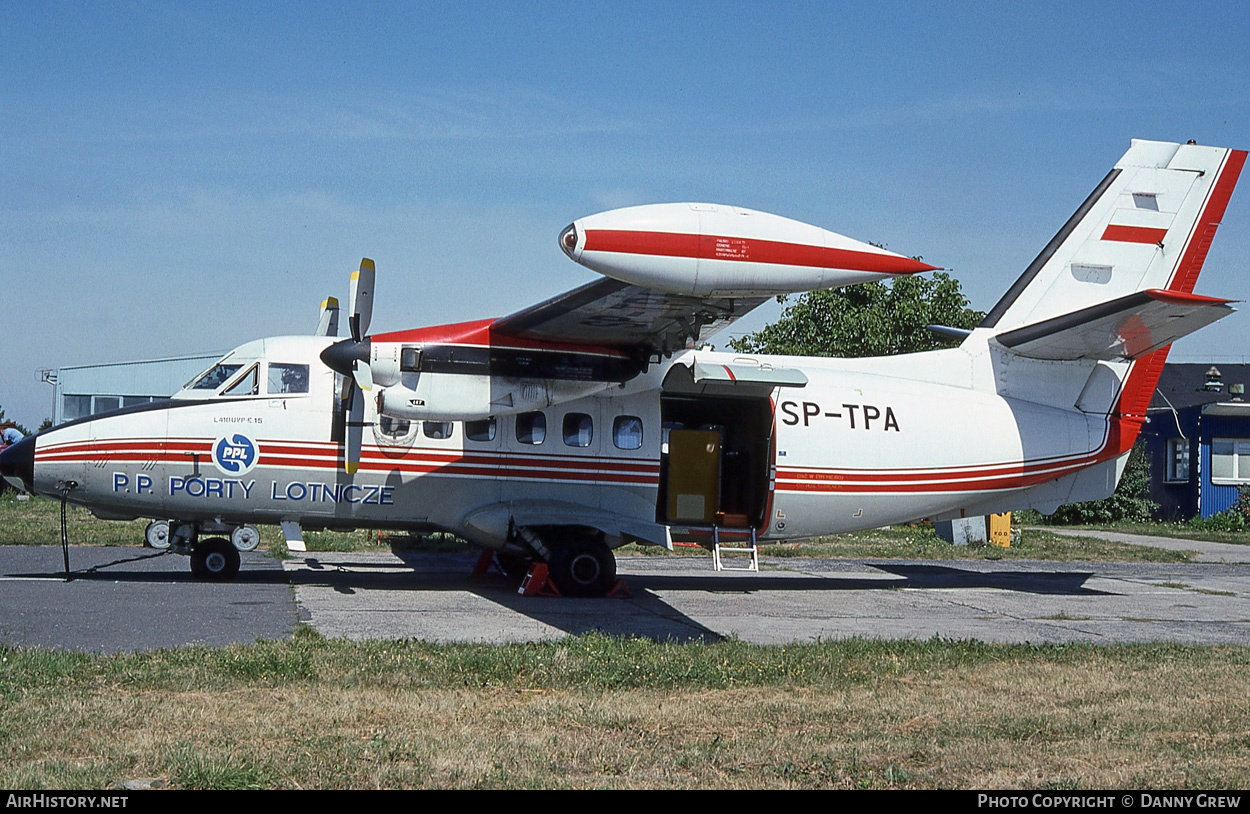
{"x":1148,"y":225}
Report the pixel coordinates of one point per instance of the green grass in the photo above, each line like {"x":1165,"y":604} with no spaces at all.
{"x":921,"y":542}
{"x":1180,"y":531}
{"x":37,"y":522}
{"x":600,"y":712}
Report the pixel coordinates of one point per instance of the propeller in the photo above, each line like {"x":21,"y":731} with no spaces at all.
{"x":328,"y":324}
{"x":350,"y":358}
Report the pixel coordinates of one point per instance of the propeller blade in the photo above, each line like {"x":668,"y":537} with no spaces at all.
{"x":363,"y":374}
{"x":362,"y":298}
{"x":355,"y":430}
{"x":328,"y":324}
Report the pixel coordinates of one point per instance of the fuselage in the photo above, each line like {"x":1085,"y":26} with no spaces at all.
{"x":253,"y":441}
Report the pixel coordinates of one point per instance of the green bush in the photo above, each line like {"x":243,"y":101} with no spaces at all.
{"x":1129,"y":502}
{"x":1230,"y":520}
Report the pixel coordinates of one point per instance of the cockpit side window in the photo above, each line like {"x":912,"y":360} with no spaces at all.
{"x":247,"y":384}
{"x":286,"y":378}
{"x":215,"y":377}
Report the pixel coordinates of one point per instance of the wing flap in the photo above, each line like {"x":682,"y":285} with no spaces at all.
{"x":1125,"y":328}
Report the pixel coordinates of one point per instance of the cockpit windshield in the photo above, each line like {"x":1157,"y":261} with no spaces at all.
{"x":214,"y":377}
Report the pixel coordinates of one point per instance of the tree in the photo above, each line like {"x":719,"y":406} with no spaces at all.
{"x":1130,"y":501}
{"x":872,"y":319}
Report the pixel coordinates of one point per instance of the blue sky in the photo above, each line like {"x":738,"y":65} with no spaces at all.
{"x":182,"y":177}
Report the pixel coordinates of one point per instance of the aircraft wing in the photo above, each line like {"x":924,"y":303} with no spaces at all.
{"x":1127,"y":327}
{"x":615,"y":314}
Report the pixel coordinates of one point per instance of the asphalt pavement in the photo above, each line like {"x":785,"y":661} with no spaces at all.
{"x":126,"y":599}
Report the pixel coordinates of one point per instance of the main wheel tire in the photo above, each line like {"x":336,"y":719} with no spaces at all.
{"x":215,"y":560}
{"x":583,"y":566}
{"x":156,"y":535}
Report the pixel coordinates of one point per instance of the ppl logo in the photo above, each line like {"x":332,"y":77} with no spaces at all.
{"x":235,"y":455}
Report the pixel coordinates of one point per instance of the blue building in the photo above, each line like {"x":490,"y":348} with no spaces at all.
{"x":1198,"y":439}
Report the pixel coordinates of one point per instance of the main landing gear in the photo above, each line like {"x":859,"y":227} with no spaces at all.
{"x":575,"y":565}
{"x":213,"y":559}
{"x":583,"y":567}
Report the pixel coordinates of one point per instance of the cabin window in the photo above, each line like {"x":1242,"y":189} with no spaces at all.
{"x":483,"y":430}
{"x":1230,"y":460}
{"x":531,"y":428}
{"x":394,"y":427}
{"x":247,"y":384}
{"x":215,"y":377}
{"x":579,"y":430}
{"x":287,"y":378}
{"x":437,"y":429}
{"x":1178,"y":460}
{"x":627,"y":432}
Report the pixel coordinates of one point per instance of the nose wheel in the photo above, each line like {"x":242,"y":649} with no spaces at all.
{"x":214,"y":559}
{"x":156,"y":535}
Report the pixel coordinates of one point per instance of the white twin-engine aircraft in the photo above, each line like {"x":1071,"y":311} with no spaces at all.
{"x":595,"y":419}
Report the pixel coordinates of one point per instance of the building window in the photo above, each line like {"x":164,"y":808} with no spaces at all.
{"x":627,"y":432}
{"x":1178,"y":460}
{"x":75,"y":407}
{"x":1230,"y":460}
{"x":578,"y":430}
{"x":104,"y":404}
{"x":531,"y":428}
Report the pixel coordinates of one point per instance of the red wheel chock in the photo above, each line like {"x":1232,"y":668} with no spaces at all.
{"x":537,"y":583}
{"x":484,"y":562}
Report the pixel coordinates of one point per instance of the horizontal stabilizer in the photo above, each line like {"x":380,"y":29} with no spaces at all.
{"x":1125,"y":328}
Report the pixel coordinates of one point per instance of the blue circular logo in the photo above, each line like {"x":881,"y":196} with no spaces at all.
{"x":235,"y":455}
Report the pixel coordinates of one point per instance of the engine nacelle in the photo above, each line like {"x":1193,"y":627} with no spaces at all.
{"x":459,"y":397}
{"x":709,"y":250}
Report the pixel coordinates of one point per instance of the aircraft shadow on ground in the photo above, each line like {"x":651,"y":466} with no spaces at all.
{"x":1068,"y":583}
{"x":647,"y":615}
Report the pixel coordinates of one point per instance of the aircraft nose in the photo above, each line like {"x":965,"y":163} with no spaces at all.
{"x":17,"y":464}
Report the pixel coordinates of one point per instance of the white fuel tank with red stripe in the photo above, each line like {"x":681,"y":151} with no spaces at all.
{"x":711,"y":250}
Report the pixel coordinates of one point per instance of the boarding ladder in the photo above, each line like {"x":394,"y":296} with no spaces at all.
{"x":720,"y":563}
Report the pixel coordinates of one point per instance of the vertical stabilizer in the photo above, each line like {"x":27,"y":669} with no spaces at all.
{"x":1147,"y":225}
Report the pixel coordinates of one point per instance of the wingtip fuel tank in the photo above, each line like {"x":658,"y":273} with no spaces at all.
{"x":715,"y":250}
